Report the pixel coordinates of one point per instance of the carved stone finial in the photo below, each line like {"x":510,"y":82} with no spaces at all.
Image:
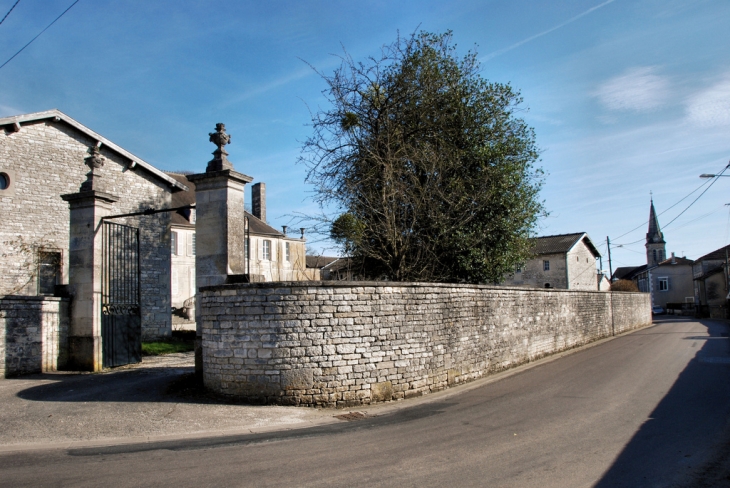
{"x":94,"y":162}
{"x":220,"y":138}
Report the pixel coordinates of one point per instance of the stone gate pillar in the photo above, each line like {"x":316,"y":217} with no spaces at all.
{"x":219,"y":226}
{"x":87,"y":207}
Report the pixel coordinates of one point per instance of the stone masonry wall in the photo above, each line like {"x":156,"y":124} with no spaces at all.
{"x":582,"y":271}
{"x":46,"y":159}
{"x":349,"y":343}
{"x":533,"y":273}
{"x":33,"y":334}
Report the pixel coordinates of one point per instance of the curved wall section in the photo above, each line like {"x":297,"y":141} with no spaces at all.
{"x":349,"y":343}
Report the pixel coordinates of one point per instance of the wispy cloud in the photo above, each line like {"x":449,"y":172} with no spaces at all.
{"x":639,"y":90}
{"x":284,"y":80}
{"x":711,"y":107}
{"x":543,"y":33}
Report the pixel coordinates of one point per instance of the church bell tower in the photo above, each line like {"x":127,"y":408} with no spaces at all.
{"x":655,"y":244}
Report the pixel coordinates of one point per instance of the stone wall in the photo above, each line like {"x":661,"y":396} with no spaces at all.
{"x":349,"y":343}
{"x":46,"y":159}
{"x":33,"y":334}
{"x":533,"y":272}
{"x":582,"y":272}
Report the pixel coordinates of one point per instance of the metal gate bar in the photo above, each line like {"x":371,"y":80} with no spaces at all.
{"x":120,"y":300}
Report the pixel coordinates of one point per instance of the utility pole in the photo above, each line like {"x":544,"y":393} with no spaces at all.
{"x":610,"y":268}
{"x":726,"y":270}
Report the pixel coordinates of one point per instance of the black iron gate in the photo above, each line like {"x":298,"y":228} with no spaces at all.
{"x":121,"y":324}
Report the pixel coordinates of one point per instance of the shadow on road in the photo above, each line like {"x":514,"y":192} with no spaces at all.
{"x":695,"y":408}
{"x":176,"y":385}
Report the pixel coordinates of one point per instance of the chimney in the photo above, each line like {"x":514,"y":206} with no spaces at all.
{"x":258,"y":200}
{"x":674,"y":260}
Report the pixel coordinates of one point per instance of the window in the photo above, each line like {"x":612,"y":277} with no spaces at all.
{"x":288,"y":256}
{"x":49,"y":272}
{"x":547,"y":285}
{"x":7,"y":182}
{"x":192,"y":246}
{"x":654,"y":254}
{"x":518,"y":270}
{"x":577,"y":259}
{"x":267,"y":250}
{"x":173,"y":243}
{"x":664,"y":284}
{"x":192,"y":216}
{"x":546,"y":265}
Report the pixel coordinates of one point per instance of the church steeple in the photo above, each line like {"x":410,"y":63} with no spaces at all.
{"x":655,"y":243}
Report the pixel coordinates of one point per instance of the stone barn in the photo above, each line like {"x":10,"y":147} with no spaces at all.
{"x":61,"y":186}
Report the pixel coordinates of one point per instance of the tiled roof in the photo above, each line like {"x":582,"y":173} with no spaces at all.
{"x":673,"y":261}
{"x":562,"y":243}
{"x":339,"y":264}
{"x":180,"y":199}
{"x":716,"y":255}
{"x":319,"y":261}
{"x":627,"y":272}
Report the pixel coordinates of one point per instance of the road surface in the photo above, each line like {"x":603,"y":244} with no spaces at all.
{"x":645,"y":409}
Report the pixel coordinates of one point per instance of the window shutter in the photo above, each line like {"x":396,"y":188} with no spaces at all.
{"x":174,"y":287}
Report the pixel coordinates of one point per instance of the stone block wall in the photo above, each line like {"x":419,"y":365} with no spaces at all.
{"x":534,"y":274}
{"x":349,"y":343}
{"x":33,"y":334}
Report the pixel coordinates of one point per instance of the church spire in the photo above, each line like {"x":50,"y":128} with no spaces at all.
{"x":655,"y":243}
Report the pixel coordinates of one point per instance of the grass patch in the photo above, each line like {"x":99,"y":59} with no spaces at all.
{"x":166,"y":347}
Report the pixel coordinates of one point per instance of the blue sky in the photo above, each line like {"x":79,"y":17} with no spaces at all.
{"x":626,"y":97}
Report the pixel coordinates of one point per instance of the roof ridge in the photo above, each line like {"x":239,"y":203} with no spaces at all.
{"x":55,"y":113}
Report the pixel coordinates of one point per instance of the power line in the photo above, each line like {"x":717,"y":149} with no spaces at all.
{"x":11,"y":9}
{"x":666,"y":210}
{"x":700,"y":217}
{"x":698,"y":197}
{"x":711,"y":182}
{"x":41,"y":32}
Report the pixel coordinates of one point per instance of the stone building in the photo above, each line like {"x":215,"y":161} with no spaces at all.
{"x":710,"y":276}
{"x":669,"y":282}
{"x":566,"y":261}
{"x":42,"y":156}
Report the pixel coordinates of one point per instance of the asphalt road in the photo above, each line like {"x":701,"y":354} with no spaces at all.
{"x":646,"y":409}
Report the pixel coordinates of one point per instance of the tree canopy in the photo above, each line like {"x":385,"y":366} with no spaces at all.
{"x":431,"y":170}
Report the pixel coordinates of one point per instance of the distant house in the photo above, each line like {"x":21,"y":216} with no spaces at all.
{"x":604,"y":283}
{"x":332,"y":268}
{"x":668,"y":282}
{"x":710,"y":277}
{"x":566,"y":261}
